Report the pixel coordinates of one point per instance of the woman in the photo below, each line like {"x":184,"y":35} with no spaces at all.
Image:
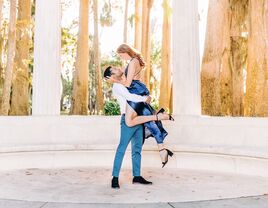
{"x":134,"y":85}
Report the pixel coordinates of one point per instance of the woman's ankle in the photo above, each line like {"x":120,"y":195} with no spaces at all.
{"x":161,"y":146}
{"x":162,"y":116}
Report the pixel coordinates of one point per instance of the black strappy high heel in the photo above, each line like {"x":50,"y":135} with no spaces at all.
{"x":171,"y":118}
{"x":169,"y":153}
{"x":162,"y":110}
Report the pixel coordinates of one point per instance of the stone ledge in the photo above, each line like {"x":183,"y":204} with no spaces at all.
{"x":217,"y":150}
{"x":234,"y":164}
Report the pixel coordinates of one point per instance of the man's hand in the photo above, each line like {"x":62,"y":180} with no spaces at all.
{"x":110,"y":80}
{"x":148,"y":100}
{"x":123,"y":78}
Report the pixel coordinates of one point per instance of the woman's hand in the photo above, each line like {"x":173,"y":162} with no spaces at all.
{"x":148,"y":99}
{"x":124,"y":78}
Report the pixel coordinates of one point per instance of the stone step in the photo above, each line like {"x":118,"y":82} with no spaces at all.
{"x":104,"y":158}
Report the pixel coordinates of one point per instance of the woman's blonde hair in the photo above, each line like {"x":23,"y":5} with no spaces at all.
{"x":132,"y":52}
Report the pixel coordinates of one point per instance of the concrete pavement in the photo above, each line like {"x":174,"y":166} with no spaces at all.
{"x":90,"y":187}
{"x":244,"y":202}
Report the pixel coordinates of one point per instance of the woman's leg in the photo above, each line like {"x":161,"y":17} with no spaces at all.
{"x":132,"y":118}
{"x":162,"y":151}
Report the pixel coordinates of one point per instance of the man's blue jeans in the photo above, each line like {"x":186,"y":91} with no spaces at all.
{"x":135,"y":135}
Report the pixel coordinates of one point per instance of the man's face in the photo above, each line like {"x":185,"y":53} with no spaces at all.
{"x":116,"y":73}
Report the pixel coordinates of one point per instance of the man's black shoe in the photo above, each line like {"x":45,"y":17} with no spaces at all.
{"x":141,"y":180}
{"x":115,"y":183}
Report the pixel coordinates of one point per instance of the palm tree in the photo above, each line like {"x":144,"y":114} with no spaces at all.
{"x":238,"y":27}
{"x":99,"y":93}
{"x":137,"y":41}
{"x":125,"y":21}
{"x":1,"y":49}
{"x":10,"y":58}
{"x":216,"y":74}
{"x":1,"y":10}
{"x":80,"y":80}
{"x":146,"y":42}
{"x":20,"y":85}
{"x":256,"y":100}
{"x":165,"y":83}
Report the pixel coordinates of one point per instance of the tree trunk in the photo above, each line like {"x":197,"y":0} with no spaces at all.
{"x":138,"y":25}
{"x":256,"y":101}
{"x":125,"y":21}
{"x":171,"y":99}
{"x":226,"y":84}
{"x":99,"y":93}
{"x":92,"y":84}
{"x":239,"y":13}
{"x":10,"y":58}
{"x":215,"y":74}
{"x":1,"y":12}
{"x":146,"y":40}
{"x":80,"y":81}
{"x":20,"y":85}
{"x":165,"y":83}
{"x":238,"y":60}
{"x":1,"y":51}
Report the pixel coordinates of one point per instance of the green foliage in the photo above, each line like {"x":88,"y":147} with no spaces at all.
{"x":156,"y":69}
{"x":68,"y":50}
{"x":66,"y":95}
{"x":68,"y":41}
{"x":111,"y":60}
{"x":66,"y":87}
{"x":92,"y":84}
{"x":156,"y":54}
{"x":33,"y":8}
{"x":131,"y":20}
{"x":166,"y":6}
{"x":106,"y":18}
{"x":155,"y":104}
{"x":111,"y":108}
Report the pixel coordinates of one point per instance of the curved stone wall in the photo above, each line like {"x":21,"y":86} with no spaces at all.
{"x":235,"y":145}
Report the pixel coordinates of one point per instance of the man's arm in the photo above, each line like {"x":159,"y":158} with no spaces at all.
{"x":122,"y":91}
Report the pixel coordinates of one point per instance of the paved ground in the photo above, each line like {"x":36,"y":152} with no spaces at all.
{"x":86,"y":188}
{"x":244,"y":202}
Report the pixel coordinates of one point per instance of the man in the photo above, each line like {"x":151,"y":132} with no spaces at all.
{"x":133,"y":134}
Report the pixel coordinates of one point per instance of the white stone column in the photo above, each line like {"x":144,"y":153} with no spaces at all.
{"x":185,"y":58}
{"x":47,"y":64}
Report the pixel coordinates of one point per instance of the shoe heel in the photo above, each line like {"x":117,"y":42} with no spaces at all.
{"x":170,"y":153}
{"x":162,"y":110}
{"x":171,"y":118}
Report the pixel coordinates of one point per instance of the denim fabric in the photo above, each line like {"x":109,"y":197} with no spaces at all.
{"x":135,"y":135}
